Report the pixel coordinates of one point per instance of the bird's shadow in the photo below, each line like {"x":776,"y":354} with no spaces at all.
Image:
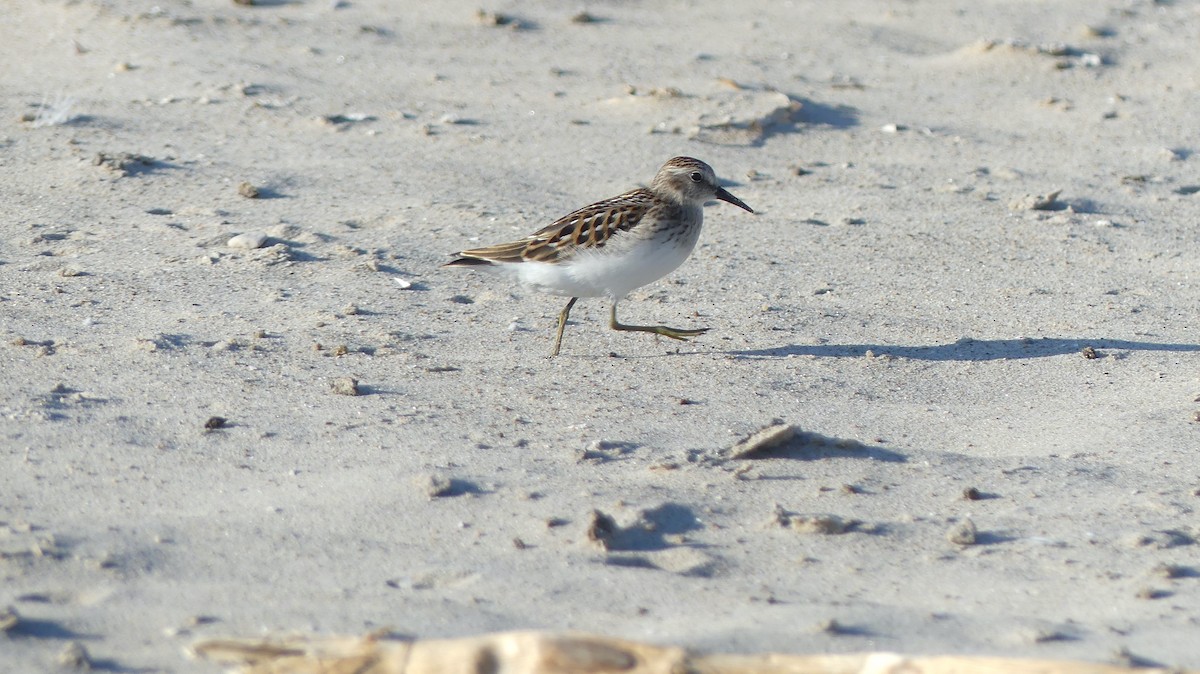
{"x":968,"y":349}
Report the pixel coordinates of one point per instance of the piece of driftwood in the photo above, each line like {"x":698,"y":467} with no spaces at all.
{"x":548,"y":653}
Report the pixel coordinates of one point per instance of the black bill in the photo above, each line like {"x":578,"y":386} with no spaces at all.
{"x":725,"y":196}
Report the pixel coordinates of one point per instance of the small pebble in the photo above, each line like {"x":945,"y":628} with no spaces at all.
{"x":602,"y":529}
{"x":248,"y":190}
{"x":1126,"y":658}
{"x":1171,"y":571}
{"x":1040,"y":635}
{"x":830,"y":626}
{"x":813,"y":524}
{"x":1036,"y":202}
{"x":1172,"y":155}
{"x":1152,"y":593}
{"x":769,"y":437}
{"x":226,"y":345}
{"x":963,"y":533}
{"x":8,"y":619}
{"x":75,"y":655}
{"x":248,"y":240}
{"x":345,"y":386}
{"x":435,"y":486}
{"x":496,"y":19}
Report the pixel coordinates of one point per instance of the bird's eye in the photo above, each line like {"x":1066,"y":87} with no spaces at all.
{"x":696,"y":177}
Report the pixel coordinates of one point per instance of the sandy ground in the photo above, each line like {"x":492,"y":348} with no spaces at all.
{"x":954,"y":341}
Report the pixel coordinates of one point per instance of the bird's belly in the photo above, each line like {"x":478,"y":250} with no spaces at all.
{"x":614,"y":275}
{"x":555,"y":279}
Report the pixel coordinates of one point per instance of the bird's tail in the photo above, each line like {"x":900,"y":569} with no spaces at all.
{"x":468,"y":262}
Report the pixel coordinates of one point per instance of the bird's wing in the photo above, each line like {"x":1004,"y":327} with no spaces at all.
{"x":589,"y":227}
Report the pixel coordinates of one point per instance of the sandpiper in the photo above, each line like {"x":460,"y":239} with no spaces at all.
{"x":613,"y":246}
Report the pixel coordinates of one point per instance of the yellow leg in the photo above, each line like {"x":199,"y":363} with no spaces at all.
{"x":673,"y":333}
{"x":562,"y":323}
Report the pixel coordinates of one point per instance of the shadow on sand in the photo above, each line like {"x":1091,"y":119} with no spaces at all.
{"x":968,"y":349}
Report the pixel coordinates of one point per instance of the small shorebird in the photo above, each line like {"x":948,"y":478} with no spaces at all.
{"x":613,"y":246}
